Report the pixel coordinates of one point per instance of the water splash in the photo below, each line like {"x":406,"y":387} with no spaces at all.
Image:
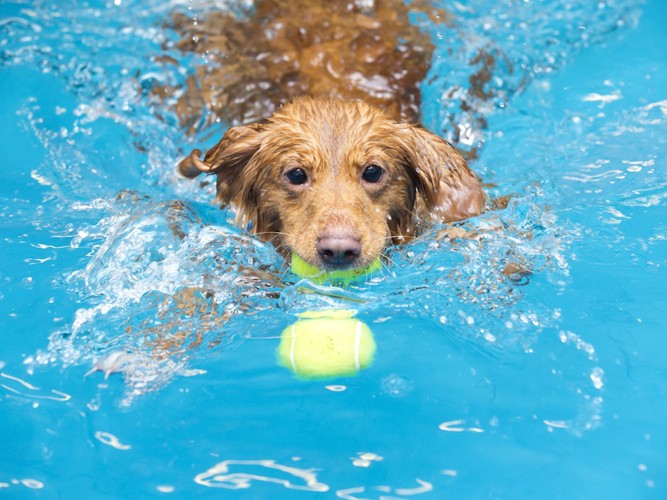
{"x":163,"y":284}
{"x":497,"y":49}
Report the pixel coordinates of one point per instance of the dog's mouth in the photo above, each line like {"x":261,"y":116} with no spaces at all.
{"x":336,"y":249}
{"x":304,"y":269}
{"x":331,"y":263}
{"x":339,"y":267}
{"x":335,"y":260}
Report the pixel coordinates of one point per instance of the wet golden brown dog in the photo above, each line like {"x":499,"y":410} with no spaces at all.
{"x":338,"y":181}
{"x":338,"y":176}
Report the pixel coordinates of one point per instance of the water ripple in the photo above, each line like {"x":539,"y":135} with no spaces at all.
{"x":15,"y":386}
{"x":240,"y":474}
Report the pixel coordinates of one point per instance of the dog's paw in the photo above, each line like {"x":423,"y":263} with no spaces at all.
{"x":113,"y":362}
{"x":454,"y":233}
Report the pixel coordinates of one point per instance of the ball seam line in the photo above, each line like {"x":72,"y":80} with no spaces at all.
{"x":357,"y":344}
{"x":292,"y":348}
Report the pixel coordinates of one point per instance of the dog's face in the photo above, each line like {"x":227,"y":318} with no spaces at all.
{"x":334,"y":185}
{"x":336,"y":182}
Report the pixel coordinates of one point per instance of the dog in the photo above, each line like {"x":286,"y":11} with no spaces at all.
{"x":338,"y":181}
{"x":323,"y":158}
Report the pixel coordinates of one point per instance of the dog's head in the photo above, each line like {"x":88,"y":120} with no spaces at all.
{"x":336,"y":182}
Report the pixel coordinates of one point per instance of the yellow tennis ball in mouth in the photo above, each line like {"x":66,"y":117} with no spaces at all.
{"x":305,"y":270}
{"x":326,"y":345}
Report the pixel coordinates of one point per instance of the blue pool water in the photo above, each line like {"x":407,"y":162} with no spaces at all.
{"x":553,"y":386}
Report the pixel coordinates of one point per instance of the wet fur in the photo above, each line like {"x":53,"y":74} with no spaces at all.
{"x":258,"y":58}
{"x":426,"y":180}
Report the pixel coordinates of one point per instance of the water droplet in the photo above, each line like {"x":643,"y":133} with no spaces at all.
{"x":396,"y":386}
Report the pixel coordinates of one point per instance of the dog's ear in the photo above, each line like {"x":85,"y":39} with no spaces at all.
{"x":235,"y":148}
{"x":228,"y":159}
{"x":448,"y":190}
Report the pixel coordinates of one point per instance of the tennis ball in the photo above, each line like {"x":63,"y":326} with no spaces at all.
{"x":326,"y":345}
{"x":304,"y":270}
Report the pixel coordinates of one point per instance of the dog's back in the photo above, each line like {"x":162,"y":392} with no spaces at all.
{"x":287,"y":48}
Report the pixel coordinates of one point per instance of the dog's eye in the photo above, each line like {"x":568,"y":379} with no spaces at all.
{"x":372,"y":174}
{"x":296,"y":176}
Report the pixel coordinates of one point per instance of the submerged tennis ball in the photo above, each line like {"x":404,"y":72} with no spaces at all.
{"x":326,"y":344}
{"x":304,"y":270}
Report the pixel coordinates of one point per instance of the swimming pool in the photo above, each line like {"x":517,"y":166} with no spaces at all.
{"x":481,"y":387}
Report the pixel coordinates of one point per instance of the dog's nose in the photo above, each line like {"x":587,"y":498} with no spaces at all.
{"x":338,"y":249}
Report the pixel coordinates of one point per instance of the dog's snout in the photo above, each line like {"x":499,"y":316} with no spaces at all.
{"x":338,"y":249}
